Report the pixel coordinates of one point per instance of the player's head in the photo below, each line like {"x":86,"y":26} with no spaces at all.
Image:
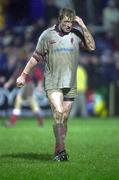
{"x":66,"y":19}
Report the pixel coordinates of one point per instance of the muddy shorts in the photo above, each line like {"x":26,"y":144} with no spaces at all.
{"x":69,"y":93}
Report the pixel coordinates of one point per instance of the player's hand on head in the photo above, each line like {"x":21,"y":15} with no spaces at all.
{"x":20,"y":81}
{"x":79,"y":21}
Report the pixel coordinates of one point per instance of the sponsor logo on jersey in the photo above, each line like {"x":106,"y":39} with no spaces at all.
{"x":62,"y":49}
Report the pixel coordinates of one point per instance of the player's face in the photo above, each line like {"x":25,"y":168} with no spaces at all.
{"x":66,"y":24}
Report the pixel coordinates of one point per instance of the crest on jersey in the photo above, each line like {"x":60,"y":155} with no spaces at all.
{"x":72,"y":40}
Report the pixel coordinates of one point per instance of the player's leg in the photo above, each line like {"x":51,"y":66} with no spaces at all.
{"x":69,"y":95}
{"x":62,"y":155}
{"x":67,"y":105}
{"x":56,"y":102}
{"x":36,"y":110}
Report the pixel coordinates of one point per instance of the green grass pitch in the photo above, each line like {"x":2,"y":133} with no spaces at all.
{"x":26,"y":151}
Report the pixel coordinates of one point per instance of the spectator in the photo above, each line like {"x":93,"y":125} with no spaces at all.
{"x":110,"y":15}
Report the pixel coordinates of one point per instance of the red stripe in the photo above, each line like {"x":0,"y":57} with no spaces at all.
{"x":38,"y":56}
{"x":38,"y":53}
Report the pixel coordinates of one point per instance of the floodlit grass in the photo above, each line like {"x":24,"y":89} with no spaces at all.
{"x":26,"y":151}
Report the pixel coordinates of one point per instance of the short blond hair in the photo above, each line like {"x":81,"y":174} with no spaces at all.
{"x":70,"y":13}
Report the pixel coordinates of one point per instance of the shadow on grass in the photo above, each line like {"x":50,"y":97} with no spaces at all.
{"x":28,"y":156}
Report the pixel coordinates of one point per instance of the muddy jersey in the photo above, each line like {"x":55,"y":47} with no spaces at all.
{"x":61,"y":55}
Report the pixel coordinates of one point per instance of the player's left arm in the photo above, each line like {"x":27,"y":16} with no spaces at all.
{"x":89,"y":43}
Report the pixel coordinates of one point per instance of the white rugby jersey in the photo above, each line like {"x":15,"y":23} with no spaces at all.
{"x":61,"y":55}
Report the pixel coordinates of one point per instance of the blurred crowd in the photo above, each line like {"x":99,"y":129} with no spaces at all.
{"x":22,"y":23}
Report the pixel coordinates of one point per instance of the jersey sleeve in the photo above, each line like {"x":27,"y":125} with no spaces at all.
{"x":41,"y":48}
{"x":79,"y":34}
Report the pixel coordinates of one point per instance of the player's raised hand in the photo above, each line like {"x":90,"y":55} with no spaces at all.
{"x":21,"y":80}
{"x":80,"y":21}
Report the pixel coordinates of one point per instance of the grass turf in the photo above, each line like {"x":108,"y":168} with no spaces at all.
{"x":26,"y":151}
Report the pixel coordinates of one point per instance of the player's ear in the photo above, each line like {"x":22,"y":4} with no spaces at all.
{"x":59,"y":19}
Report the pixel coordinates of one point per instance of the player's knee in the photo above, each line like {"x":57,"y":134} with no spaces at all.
{"x":65,"y":116}
{"x":58,"y":116}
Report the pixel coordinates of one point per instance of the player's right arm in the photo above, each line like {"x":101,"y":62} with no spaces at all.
{"x":21,"y":80}
{"x":38,"y":56}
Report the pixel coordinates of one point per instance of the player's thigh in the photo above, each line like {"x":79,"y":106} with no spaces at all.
{"x":55,"y":100}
